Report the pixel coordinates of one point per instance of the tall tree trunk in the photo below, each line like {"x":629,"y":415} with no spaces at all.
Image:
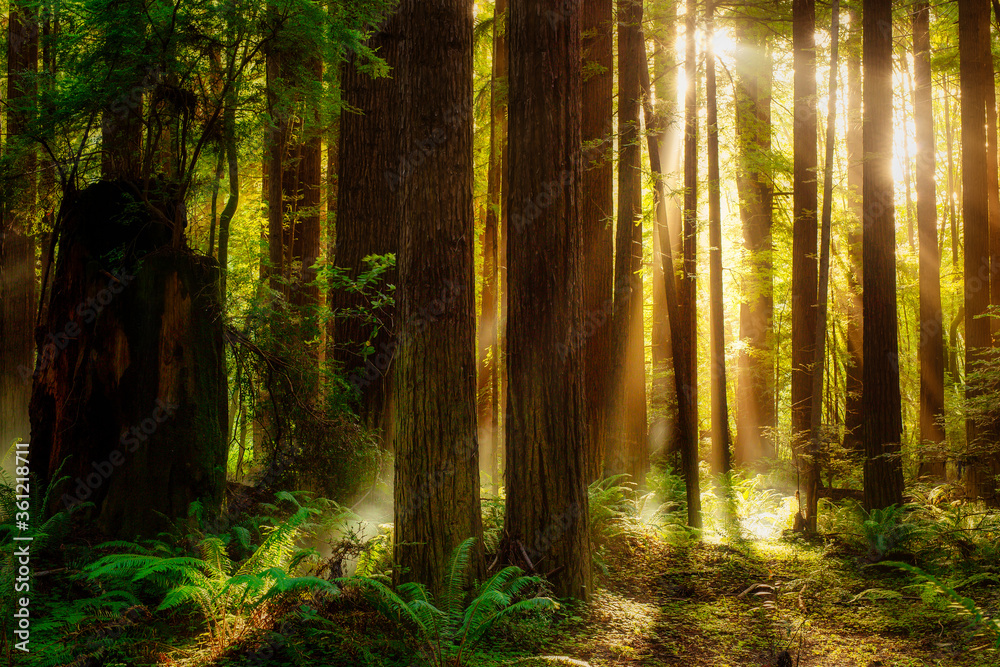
{"x":437,"y":452}
{"x":993,"y":189}
{"x":931,"y":324}
{"x":804,"y":269}
{"x":308,"y":214}
{"x":882,"y":416}
{"x":547,"y":511}
{"x":756,"y":414}
{"x":596,"y":214}
{"x":721,"y":456}
{"x":855,"y":175}
{"x":628,"y":452}
{"x":489,"y":353}
{"x":824,"y":277}
{"x":17,"y":245}
{"x":687,"y":295}
{"x":975,"y":71}
{"x":373,"y":169}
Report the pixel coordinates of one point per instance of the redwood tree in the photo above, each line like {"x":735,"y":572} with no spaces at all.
{"x":931,"y":333}
{"x":804,"y":266}
{"x":373,"y":169}
{"x":628,"y":452}
{"x":976,"y":72}
{"x":597,"y":209}
{"x":436,"y":489}
{"x":547,"y":525}
{"x":882,"y":416}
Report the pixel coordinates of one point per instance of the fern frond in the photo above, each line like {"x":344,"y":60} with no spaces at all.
{"x":455,"y":577}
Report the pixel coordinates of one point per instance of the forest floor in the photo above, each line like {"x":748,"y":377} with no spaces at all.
{"x":735,"y":603}
{"x":718,"y":605}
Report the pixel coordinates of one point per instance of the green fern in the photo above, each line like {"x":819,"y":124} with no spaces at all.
{"x":965,"y":605}
{"x":446,"y":633}
{"x":226,"y":594}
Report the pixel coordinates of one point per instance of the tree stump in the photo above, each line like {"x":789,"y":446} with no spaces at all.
{"x":129,"y":393}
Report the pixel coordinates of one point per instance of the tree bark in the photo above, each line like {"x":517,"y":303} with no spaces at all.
{"x":882,"y":416}
{"x":547,"y":509}
{"x":931,"y":324}
{"x":437,"y":451}
{"x":130,"y":384}
{"x":975,"y":70}
{"x":373,"y":169}
{"x":804,"y":268}
{"x":597,"y":210}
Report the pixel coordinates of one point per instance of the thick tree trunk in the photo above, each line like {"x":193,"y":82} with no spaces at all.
{"x":804,"y":251}
{"x":17,"y":245}
{"x":373,"y":170}
{"x":976,"y":71}
{"x":931,"y":324}
{"x":721,"y":453}
{"x":596,"y":213}
{"x":687,"y":295}
{"x":756,"y":414}
{"x":627,"y":449}
{"x":881,"y":412}
{"x":437,"y":452}
{"x":130,"y":384}
{"x":547,"y":511}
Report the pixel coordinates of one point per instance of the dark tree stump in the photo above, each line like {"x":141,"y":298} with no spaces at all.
{"x":130,"y":383}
